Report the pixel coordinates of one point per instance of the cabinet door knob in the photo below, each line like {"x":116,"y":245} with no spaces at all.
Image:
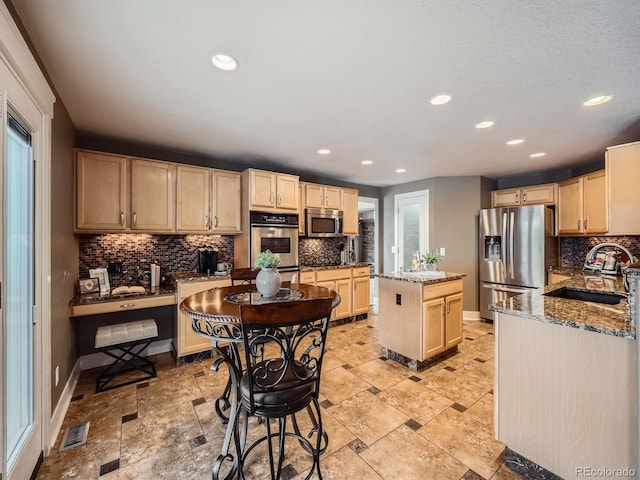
{"x":215,"y":220}
{"x":279,"y":199}
{"x":578,"y":224}
{"x":585,"y":223}
{"x":272,"y":198}
{"x":135,"y":219}
{"x":121,"y":218}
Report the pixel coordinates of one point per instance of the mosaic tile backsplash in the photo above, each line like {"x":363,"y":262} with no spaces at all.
{"x":174,"y":253}
{"x":574,"y":249}
{"x":320,"y":251}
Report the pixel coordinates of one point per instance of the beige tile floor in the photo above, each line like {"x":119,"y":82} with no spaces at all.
{"x":384,"y":421}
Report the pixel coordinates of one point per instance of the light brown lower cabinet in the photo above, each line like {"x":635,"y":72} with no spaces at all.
{"x":187,"y":340}
{"x":361,"y":287}
{"x":351,"y":283}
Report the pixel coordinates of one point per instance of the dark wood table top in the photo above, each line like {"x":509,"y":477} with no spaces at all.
{"x":211,"y":305}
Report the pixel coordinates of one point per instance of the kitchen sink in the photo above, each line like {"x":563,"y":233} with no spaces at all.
{"x":597,"y":297}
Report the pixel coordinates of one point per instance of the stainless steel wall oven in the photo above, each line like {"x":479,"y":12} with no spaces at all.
{"x":277,"y":232}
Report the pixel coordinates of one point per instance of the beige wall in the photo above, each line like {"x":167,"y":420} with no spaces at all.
{"x":453,"y":224}
{"x":64,"y":250}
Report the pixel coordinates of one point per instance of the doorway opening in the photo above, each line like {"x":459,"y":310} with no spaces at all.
{"x":368,"y":224}
{"x":411,"y":227}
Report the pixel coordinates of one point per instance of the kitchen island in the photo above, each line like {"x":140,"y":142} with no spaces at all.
{"x":566,"y":381}
{"x":420,"y":317}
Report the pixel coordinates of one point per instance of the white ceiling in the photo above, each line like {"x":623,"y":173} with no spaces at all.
{"x":352,"y":76}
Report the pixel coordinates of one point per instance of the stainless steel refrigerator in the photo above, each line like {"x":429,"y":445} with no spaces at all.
{"x":517,"y":247}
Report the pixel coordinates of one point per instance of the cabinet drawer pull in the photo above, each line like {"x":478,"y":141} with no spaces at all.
{"x":517,"y":198}
{"x":524,"y":198}
{"x":127,"y":305}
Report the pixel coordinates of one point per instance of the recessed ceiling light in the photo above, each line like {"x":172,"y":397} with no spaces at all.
{"x":224,"y":62}
{"x":440,"y":99}
{"x":401,"y":170}
{"x":515,"y":141}
{"x":536,"y":155}
{"x":486,"y":124}
{"x":599,"y":100}
{"x":324,"y":151}
{"x":367,"y":162}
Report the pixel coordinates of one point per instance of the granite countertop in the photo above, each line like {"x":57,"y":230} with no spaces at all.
{"x":608,"y":319}
{"x":416,"y":277}
{"x":313,"y":268}
{"x":91,"y":298}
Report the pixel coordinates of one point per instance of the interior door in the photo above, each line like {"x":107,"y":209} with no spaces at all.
{"x":21,"y":345}
{"x":412,"y":226}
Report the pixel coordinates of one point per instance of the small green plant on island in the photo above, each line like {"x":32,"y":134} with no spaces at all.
{"x":431,"y":257}
{"x":268,"y":259}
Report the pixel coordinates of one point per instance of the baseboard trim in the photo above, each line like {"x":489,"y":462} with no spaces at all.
{"x":100,"y":359}
{"x":63,"y":404}
{"x":471,"y":315}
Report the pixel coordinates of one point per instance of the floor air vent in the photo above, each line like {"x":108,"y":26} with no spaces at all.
{"x":74,"y":436}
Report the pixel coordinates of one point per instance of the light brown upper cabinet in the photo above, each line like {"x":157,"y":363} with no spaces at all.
{"x":193,"y":200}
{"x":582,"y":205}
{"x":101,"y":191}
{"x":623,"y":176}
{"x":226,"y":206}
{"x":152,"y":195}
{"x":544,"y":194}
{"x":208,"y":200}
{"x":271,"y":191}
{"x":321,"y":196}
{"x":349,"y":205}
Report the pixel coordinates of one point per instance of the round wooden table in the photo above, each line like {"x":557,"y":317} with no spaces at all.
{"x":215,"y":314}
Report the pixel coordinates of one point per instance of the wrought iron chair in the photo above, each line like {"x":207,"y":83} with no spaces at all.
{"x":243,"y":275}
{"x":284,"y":343}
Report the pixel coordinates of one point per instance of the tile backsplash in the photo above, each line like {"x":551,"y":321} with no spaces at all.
{"x":320,"y":251}
{"x":573,"y":250}
{"x":174,"y":253}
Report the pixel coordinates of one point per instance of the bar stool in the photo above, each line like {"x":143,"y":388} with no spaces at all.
{"x":243,"y":275}
{"x":284,"y":343}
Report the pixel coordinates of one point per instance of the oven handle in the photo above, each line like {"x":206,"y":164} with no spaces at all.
{"x":271,"y":225}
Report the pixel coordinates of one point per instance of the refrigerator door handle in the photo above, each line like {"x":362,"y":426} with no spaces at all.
{"x":505,"y":258}
{"x":511,"y":240}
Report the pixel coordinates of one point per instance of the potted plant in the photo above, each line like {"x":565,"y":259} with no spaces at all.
{"x":268,"y":279}
{"x":430,"y":260}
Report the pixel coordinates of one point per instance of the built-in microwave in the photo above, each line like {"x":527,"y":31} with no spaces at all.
{"x":323,"y":222}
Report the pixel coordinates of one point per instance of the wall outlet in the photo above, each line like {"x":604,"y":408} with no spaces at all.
{"x":442,"y":251}
{"x":57,"y":375}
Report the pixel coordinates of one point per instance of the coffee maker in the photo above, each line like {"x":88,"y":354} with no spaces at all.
{"x":207,"y":259}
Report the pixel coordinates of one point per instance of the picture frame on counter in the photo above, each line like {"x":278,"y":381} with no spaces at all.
{"x":102,"y":276}
{"x":89,"y":285}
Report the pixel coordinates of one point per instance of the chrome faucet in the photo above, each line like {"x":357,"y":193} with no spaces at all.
{"x":588,"y":263}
